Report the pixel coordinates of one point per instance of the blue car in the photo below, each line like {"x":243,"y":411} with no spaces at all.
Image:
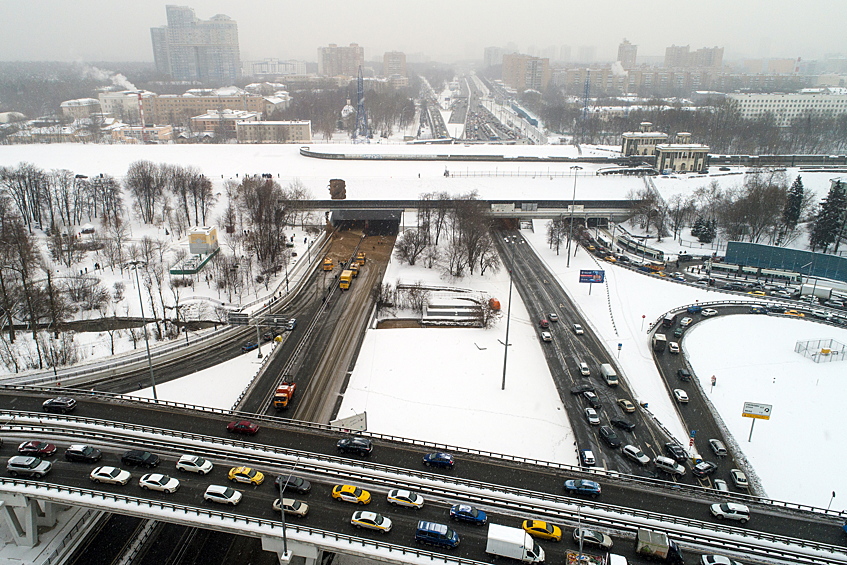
{"x":467,"y":513}
{"x":580,"y":486}
{"x":694,"y":308}
{"x":249,"y":346}
{"x":438,"y":459}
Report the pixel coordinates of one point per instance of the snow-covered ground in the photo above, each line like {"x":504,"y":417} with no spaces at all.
{"x":752,"y":358}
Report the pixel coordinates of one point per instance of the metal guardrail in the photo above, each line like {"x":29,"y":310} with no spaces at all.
{"x":56,"y":556}
{"x":235,"y":523}
{"x":676,"y":488}
{"x":557,"y":506}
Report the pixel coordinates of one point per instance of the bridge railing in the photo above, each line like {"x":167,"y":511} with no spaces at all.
{"x":236,"y":523}
{"x":690,"y":490}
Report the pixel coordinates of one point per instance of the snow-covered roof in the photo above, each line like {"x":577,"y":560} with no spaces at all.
{"x":79,"y":102}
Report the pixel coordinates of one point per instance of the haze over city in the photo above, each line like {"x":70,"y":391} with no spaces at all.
{"x":101,"y":30}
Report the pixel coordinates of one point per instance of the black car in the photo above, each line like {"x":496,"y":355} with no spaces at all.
{"x":83,"y":453}
{"x":293,"y":484}
{"x":592,"y":399}
{"x":676,"y":452}
{"x":776,"y":309}
{"x":140,"y":458}
{"x":60,"y":405}
{"x":733,"y":286}
{"x":703,"y":469}
{"x":622,"y":424}
{"x":683,"y":374}
{"x":582,"y":388}
{"x":361,"y":446}
{"x":608,"y":435}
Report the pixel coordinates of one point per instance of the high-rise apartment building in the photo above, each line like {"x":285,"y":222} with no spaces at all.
{"x":192,"y":49}
{"x":394,"y":63}
{"x":681,"y":57}
{"x":334,"y":60}
{"x":493,"y":56}
{"x":626,"y":54}
{"x":676,"y":56}
{"x":522,"y":72}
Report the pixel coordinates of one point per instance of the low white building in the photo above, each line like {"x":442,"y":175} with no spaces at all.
{"x":80,"y":108}
{"x":642,"y":142}
{"x":785,"y":108}
{"x":682,"y":157}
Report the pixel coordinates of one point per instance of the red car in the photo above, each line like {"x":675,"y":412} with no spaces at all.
{"x":243,"y":427}
{"x":39,"y":448}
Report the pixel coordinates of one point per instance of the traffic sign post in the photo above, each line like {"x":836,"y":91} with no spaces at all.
{"x":756,"y":411}
{"x":642,"y":321}
{"x":714,"y":380}
{"x":620,"y":346}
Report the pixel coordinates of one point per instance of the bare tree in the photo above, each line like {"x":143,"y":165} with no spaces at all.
{"x":410,"y":245}
{"x":145,"y":182}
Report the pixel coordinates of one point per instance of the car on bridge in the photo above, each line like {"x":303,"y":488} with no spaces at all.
{"x":159,"y":482}
{"x":60,"y":405}
{"x":592,"y":399}
{"x":350,"y":493}
{"x":293,"y":484}
{"x":673,"y":347}
{"x":680,"y":395}
{"x":586,"y":457}
{"x":222,"y":495}
{"x":717,"y":560}
{"x":439,"y":459}
{"x":194,"y":464}
{"x":730,"y":511}
{"x":739,"y":479}
{"x":28,"y":466}
{"x":577,"y":329}
{"x":709,"y":312}
{"x":685,"y":322}
{"x":39,"y":448}
{"x":360,"y":446}
{"x":676,"y":451}
{"x":291,"y":506}
{"x":467,"y":513}
{"x":683,"y":374}
{"x":246,"y":475}
{"x":371,"y":521}
{"x":405,"y":498}
{"x":83,"y":453}
{"x":140,"y":458}
{"x":582,"y":487}
{"x":245,"y":427}
{"x":703,"y":469}
{"x":579,"y":389}
{"x":622,"y":424}
{"x":546,"y":336}
{"x":592,"y":537}
{"x":553,"y":317}
{"x":542,"y":530}
{"x":110,"y":475}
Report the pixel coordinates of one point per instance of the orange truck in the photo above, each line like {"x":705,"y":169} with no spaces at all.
{"x":328,"y":264}
{"x":360,"y":258}
{"x":283,"y":395}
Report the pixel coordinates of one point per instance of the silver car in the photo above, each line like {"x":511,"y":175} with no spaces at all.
{"x":592,"y":417}
{"x":635,"y":454}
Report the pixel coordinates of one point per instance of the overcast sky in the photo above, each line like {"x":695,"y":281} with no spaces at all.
{"x":445,"y":30}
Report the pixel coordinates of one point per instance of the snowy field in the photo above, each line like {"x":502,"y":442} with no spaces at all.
{"x":394,"y":379}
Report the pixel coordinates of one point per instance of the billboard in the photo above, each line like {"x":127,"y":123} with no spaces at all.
{"x":755,"y":410}
{"x":592,"y":276}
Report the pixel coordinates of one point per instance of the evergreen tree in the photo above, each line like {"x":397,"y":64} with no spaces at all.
{"x":829,"y":219}
{"x":792,"y":210}
{"x":697,"y":228}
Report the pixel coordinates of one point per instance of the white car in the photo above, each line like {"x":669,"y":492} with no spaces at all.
{"x":592,"y":417}
{"x":110,"y":475}
{"x":635,"y":454}
{"x":546,"y":336}
{"x":720,"y":485}
{"x":685,"y":322}
{"x":673,"y":347}
{"x":553,"y":317}
{"x":577,"y":329}
{"x":739,"y":478}
{"x":371,"y":521}
{"x":291,"y":506}
{"x":717,"y":560}
{"x":730,"y":511}
{"x":222,"y":494}
{"x":680,"y":395}
{"x":709,"y":312}
{"x":158,"y":481}
{"x":194,"y":464}
{"x":584,"y":370}
{"x":406,"y":498}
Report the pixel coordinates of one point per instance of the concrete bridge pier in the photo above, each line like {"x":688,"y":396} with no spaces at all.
{"x":23,"y":516}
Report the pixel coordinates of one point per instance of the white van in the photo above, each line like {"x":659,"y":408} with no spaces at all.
{"x":609,"y":374}
{"x":668,"y":465}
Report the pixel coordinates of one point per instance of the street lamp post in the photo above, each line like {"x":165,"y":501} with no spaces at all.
{"x":575,"y":169}
{"x":144,"y":324}
{"x":508,"y":314}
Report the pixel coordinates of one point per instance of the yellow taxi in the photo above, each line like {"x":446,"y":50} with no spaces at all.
{"x":757,"y":293}
{"x":794,"y":313}
{"x":246,"y":475}
{"x":542,"y":530}
{"x":349,"y":493}
{"x":610,"y":258}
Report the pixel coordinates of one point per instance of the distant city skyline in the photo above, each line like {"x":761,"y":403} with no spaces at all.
{"x":104,"y":30}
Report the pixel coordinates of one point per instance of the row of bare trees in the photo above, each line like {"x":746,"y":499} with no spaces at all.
{"x":452,"y":232}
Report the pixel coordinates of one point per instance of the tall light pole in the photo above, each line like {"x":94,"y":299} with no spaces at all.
{"x":144,"y":324}
{"x":509,"y":241}
{"x":575,"y":169}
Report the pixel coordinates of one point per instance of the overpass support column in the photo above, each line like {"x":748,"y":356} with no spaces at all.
{"x":298,"y":552}
{"x":24,"y":530}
